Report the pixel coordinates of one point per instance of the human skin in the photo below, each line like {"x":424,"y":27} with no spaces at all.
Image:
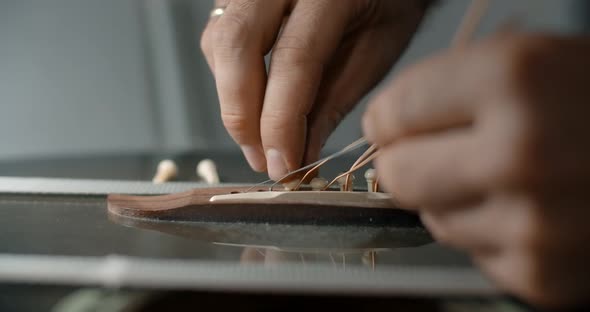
{"x":325,"y":55}
{"x":490,"y":144}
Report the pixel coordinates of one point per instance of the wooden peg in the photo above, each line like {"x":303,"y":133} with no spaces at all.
{"x":345,"y":183}
{"x":207,"y":170}
{"x":290,"y":185}
{"x":318,"y":183}
{"x":370,"y":176}
{"x":167,"y":170}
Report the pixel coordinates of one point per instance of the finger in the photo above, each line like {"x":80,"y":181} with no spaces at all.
{"x":356,"y":68}
{"x":207,"y":47}
{"x":421,"y":99}
{"x":514,"y":273}
{"x":207,"y":35}
{"x":551,"y":278}
{"x":432,"y":170}
{"x":353,"y":72}
{"x":241,"y":38}
{"x":473,"y":226}
{"x":295,"y":72}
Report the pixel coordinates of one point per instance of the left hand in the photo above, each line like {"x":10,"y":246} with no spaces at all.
{"x":490,"y":143}
{"x":325,"y":55}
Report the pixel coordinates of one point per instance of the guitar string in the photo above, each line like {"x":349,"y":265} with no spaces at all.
{"x":353,"y":146}
{"x":353,"y":169}
{"x":349,"y":148}
{"x":368,"y":151}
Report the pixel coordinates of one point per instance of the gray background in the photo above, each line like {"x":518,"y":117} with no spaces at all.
{"x":80,"y":77}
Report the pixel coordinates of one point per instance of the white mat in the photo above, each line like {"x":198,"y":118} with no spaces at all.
{"x":120,"y":271}
{"x":19,"y":185}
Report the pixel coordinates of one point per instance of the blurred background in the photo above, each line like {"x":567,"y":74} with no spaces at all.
{"x":87,"y":78}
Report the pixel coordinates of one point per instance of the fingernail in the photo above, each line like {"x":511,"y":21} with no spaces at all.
{"x":255,"y":157}
{"x":276,"y":164}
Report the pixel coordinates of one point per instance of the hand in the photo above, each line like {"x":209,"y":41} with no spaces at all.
{"x":327,"y":55}
{"x":490,"y":143}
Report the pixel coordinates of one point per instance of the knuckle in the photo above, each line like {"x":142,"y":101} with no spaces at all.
{"x":236,"y":124}
{"x":230,"y":33}
{"x":205,"y":41}
{"x":292,"y":51}
{"x":279,"y":122}
{"x":510,"y":162}
{"x":406,"y":106}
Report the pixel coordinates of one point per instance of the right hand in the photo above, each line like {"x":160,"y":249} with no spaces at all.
{"x":495,"y":160}
{"x":326,"y":57}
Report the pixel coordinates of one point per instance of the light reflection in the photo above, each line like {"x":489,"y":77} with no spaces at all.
{"x":340,"y":246}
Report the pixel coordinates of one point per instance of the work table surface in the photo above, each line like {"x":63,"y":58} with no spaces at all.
{"x":51,"y":229}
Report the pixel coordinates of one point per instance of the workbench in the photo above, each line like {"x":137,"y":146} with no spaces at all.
{"x":61,"y":251}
